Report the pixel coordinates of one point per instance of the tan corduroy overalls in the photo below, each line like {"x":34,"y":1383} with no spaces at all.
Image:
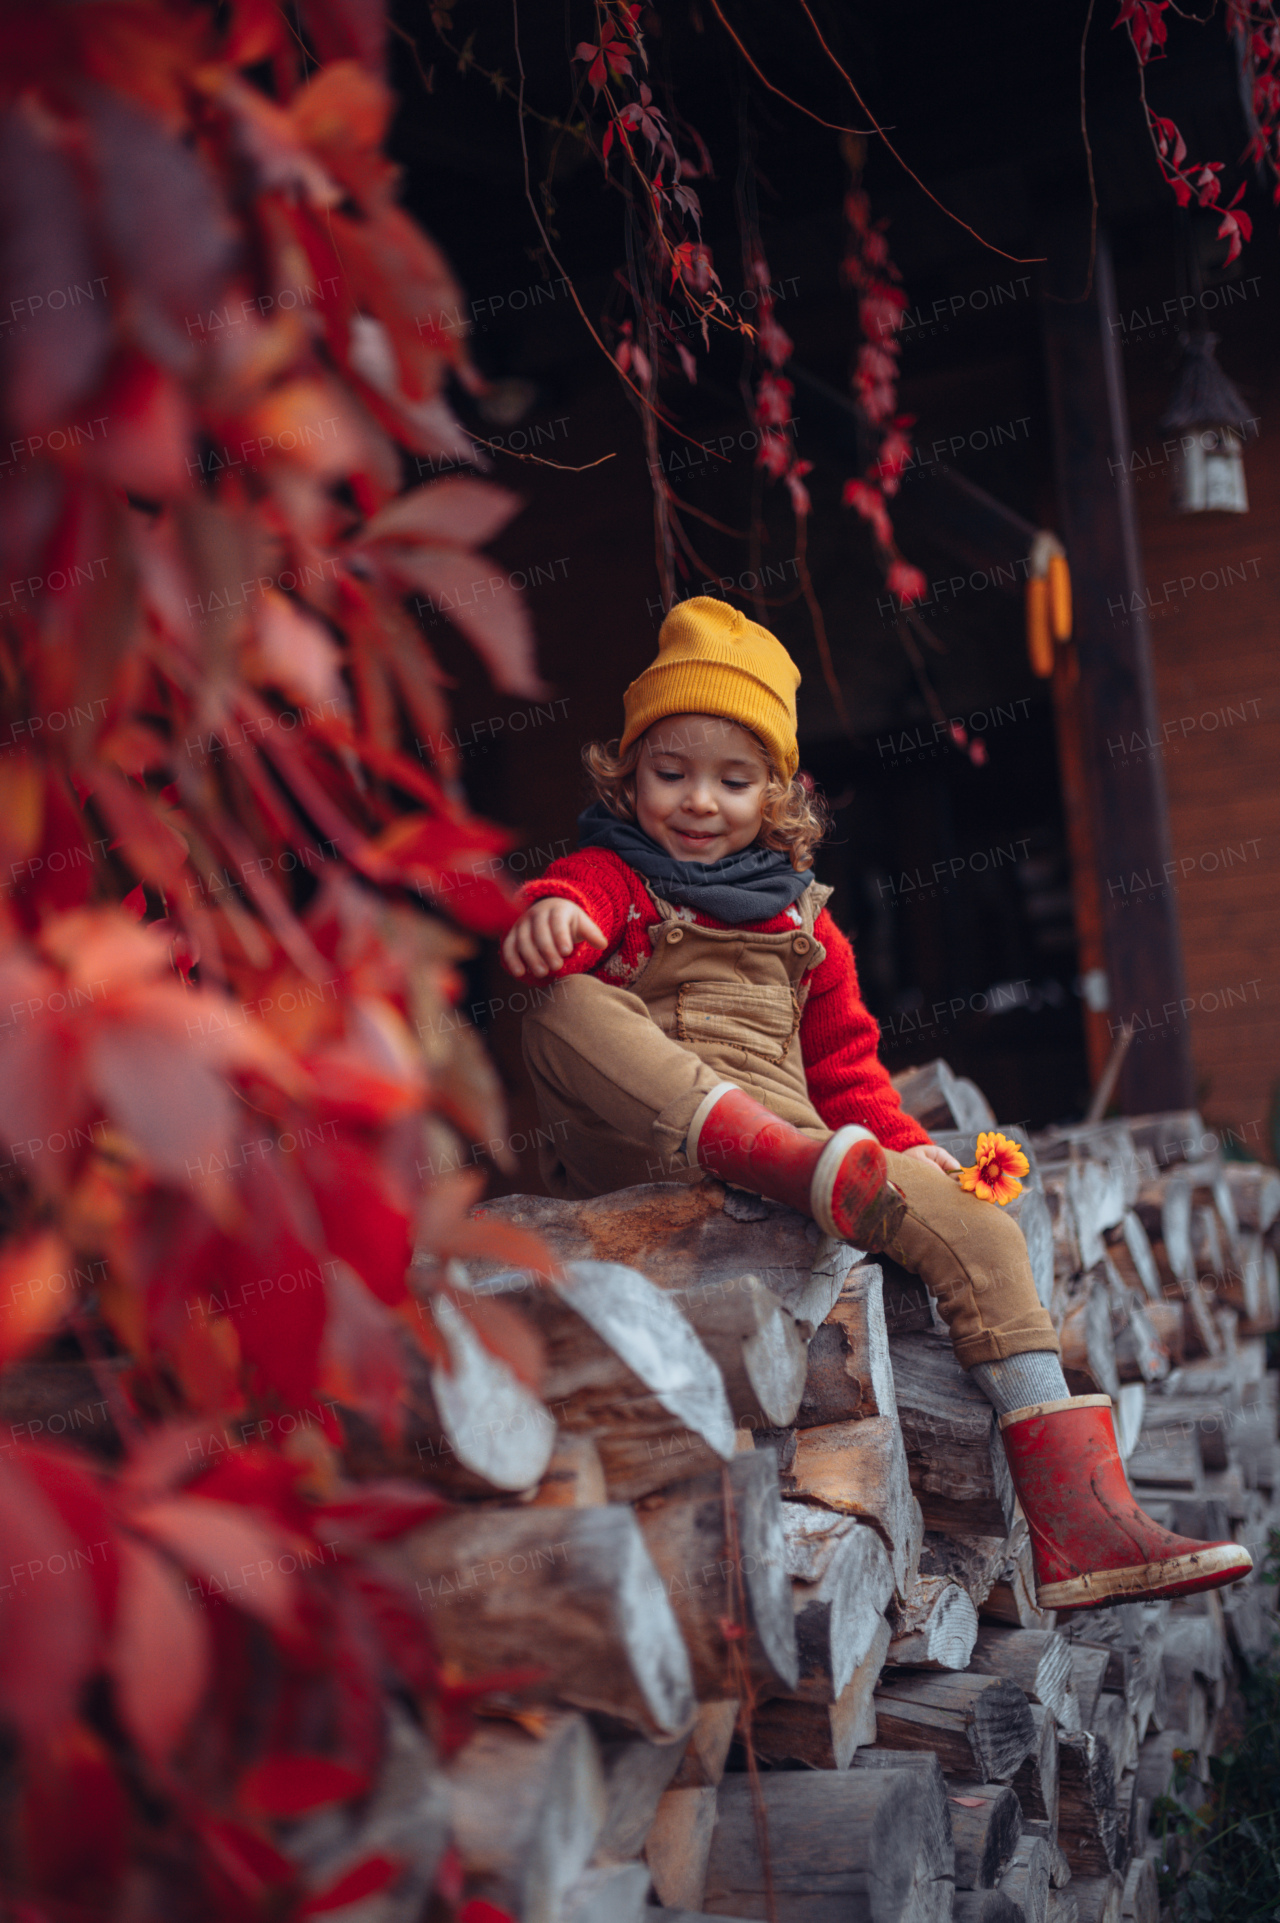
{"x":620,"y":1072}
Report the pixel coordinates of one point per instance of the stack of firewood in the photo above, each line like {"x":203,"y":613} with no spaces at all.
{"x":758,"y":1546}
{"x":753,"y":1582}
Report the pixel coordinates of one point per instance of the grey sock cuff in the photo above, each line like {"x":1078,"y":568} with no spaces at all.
{"x":1020,"y":1380}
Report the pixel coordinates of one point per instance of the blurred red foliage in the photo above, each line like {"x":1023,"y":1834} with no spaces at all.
{"x":232,"y":910}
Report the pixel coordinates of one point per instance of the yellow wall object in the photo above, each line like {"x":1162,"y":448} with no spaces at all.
{"x":1039,"y":639}
{"x":1059,"y":597}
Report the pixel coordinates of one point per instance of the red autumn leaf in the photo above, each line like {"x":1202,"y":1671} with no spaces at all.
{"x":365,"y":1222}
{"x":89,"y":1529}
{"x":233,"y":1554}
{"x":483,"y":603}
{"x":288,"y":1785}
{"x":249,"y":1862}
{"x":160,"y":1657}
{"x":457,"y":512}
{"x":50,"y":1635}
{"x":366,"y":1879}
{"x":75,"y":1818}
{"x":362,"y":1361}
{"x":478,"y":1909}
{"x":382,"y":1511}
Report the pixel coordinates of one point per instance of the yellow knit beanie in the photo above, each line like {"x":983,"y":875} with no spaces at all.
{"x":712,"y":660}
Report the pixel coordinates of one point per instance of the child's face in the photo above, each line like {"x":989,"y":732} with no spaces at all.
{"x":700,"y":786}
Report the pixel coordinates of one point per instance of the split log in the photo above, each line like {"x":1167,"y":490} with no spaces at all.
{"x":933,"y":1879}
{"x":954,"y":1453}
{"x":1026,"y":1881}
{"x":842,"y":1582}
{"x":1166,"y":1320}
{"x":624,"y":1367}
{"x":985,"y":1906}
{"x":1115,"y":1725}
{"x":573,"y":1477}
{"x":824,"y":1735}
{"x":1169,"y":1465}
{"x":1088,"y":1670}
{"x":941,"y":1100}
{"x":859,"y":1469}
{"x":525,"y":1813}
{"x":1038,"y":1661}
{"x":1129,"y":1247}
{"x":1255,"y":1192}
{"x":1173,"y":1136}
{"x":908,"y":1306}
{"x":405,"y":1817}
{"x":1200,"y":1333}
{"x":986,"y":1826}
{"x":613,"y":1895}
{"x":1013,"y":1597}
{"x":1088,"y":1346}
{"x":1164,"y":1209}
{"x":843,"y":1843}
{"x":850,"y":1376}
{"x":980,"y":1727}
{"x":679,"y":1235}
{"x":756,"y":1343}
{"x":1140,"y":1355}
{"x":637,"y":1775}
{"x":1063,"y":1907}
{"x":678,"y":1845}
{"x":1087,"y":1821}
{"x":1241,"y":1284}
{"x":717,"y":1568}
{"x":1098,"y":1898}
{"x":974,"y":1563}
{"x":1140,"y":1900}
{"x":935,"y":1628}
{"x":574,"y":1592}
{"x":1036,"y":1782}
{"x":1207,"y":1244}
{"x":703,"y":1761}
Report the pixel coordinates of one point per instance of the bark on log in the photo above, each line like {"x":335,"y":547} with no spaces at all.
{"x":678,"y":1235}
{"x":843,"y":1844}
{"x":573,"y":1591}
{"x":824,"y":1735}
{"x":1139,"y":1352}
{"x":850,"y":1375}
{"x":1036,"y":1783}
{"x":678,"y":1845}
{"x":719,"y":1550}
{"x":1026,"y":1881}
{"x":1038,"y":1661}
{"x":954,"y":1454}
{"x":1114,"y":1724}
{"x":703,"y":1761}
{"x":755,"y":1342}
{"x":986,"y":1826}
{"x":1088,"y":1672}
{"x":525,"y":1813}
{"x":1087,"y":1822}
{"x":573,"y":1477}
{"x":980,"y":1727}
{"x":1172,"y":1136}
{"x":935,"y":1628}
{"x":842,"y":1582}
{"x":859,"y":1469}
{"x":933,"y":1882}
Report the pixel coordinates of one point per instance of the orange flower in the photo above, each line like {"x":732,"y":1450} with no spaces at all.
{"x":994,"y":1176}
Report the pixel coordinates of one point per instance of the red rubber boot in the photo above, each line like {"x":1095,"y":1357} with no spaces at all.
{"x":841,"y":1183}
{"x":1091,"y":1543}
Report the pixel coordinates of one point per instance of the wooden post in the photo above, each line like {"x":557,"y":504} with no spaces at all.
{"x":1124,"y":796}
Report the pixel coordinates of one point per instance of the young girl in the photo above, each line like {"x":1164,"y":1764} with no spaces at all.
{"x":705,"y":1018}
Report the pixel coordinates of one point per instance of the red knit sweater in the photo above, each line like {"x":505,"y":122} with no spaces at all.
{"x":838,"y":1034}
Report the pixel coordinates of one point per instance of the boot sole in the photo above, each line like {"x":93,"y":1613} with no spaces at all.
{"x":1208,"y":1568}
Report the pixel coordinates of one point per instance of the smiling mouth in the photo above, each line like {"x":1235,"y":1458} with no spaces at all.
{"x":694,"y":834}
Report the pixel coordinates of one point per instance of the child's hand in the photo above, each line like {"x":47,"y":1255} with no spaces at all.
{"x":939,"y":1157}
{"x":547,"y":934}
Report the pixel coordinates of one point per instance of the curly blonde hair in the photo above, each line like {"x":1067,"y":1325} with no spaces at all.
{"x":795,"y":816}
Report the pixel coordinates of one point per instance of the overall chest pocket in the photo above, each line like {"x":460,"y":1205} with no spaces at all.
{"x":762,"y":1018}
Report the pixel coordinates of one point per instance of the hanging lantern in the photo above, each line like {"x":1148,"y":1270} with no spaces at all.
{"x":1207,"y":413}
